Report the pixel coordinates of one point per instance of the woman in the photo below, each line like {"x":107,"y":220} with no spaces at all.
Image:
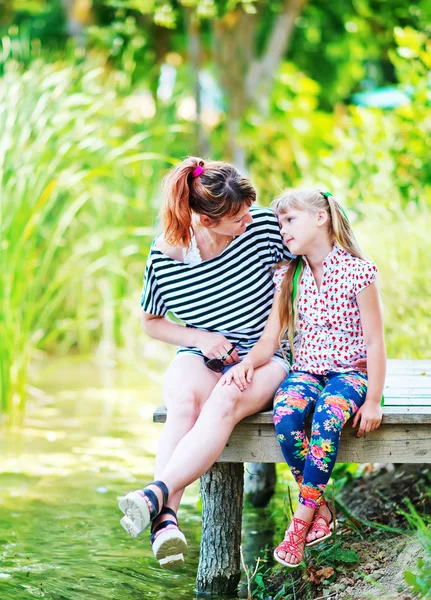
{"x":211,"y":268}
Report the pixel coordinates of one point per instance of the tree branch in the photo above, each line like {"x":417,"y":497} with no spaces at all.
{"x":262,"y":71}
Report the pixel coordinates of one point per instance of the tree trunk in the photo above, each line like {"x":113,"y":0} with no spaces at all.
{"x":260,"y":480}
{"x":6,"y":13}
{"x":78,"y":15}
{"x":195,"y":54}
{"x":233,"y":39}
{"x":222,"y":498}
{"x":245,"y":77}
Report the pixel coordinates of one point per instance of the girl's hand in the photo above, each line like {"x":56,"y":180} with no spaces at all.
{"x":370,"y":416}
{"x":215,"y":345}
{"x":241,"y":374}
{"x":360,"y":364}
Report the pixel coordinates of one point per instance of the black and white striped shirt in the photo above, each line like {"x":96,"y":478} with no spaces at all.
{"x":230,"y":294}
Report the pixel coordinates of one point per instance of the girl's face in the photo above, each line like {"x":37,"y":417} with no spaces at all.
{"x":232,"y":226}
{"x":300,"y":229}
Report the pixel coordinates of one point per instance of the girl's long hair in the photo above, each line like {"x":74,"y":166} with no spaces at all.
{"x":340,"y":232}
{"x":217,"y":192}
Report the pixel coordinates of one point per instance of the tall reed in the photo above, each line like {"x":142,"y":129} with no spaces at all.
{"x":78,"y":174}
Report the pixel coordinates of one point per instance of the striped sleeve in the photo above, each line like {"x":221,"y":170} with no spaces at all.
{"x":151,"y":299}
{"x":277,"y":246}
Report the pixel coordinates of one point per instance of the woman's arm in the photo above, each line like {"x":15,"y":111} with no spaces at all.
{"x":372,"y":326}
{"x":211,"y":344}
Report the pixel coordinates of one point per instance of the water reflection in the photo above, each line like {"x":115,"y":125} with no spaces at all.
{"x":88,"y":438}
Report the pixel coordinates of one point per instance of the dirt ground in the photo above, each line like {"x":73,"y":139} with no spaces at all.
{"x":383,"y":555}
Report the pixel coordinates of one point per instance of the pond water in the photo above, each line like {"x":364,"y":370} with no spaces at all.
{"x":87,"y":439}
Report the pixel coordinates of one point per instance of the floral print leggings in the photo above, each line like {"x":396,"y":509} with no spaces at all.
{"x":335,"y":397}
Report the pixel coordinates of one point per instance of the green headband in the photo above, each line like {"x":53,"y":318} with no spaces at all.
{"x":326,"y":195}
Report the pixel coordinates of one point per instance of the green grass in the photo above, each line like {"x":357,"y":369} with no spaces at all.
{"x":419,"y":579}
{"x":400,"y":245}
{"x":78,"y":175}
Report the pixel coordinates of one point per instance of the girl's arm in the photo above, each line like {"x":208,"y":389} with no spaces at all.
{"x":370,"y":413}
{"x":268,"y":341}
{"x":261,"y":351}
{"x":211,"y":344}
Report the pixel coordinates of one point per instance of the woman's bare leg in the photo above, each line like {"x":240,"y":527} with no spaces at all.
{"x":227,"y":405}
{"x":187,"y":385}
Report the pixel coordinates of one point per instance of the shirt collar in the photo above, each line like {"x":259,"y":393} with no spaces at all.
{"x":329,"y":259}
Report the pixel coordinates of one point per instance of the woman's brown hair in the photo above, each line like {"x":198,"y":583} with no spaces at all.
{"x":218,"y":191}
{"x":339,"y":230}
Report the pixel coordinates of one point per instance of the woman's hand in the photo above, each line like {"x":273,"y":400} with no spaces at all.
{"x":370,"y":415}
{"x":241,"y":374}
{"x":215,"y":345}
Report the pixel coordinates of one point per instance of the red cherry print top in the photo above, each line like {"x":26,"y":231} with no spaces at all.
{"x":330,"y":335}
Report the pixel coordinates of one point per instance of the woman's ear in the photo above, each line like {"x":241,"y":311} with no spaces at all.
{"x":322,"y":218}
{"x":206,"y":221}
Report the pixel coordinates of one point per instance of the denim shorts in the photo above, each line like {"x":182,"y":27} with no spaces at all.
{"x":276,"y":359}
{"x":242,"y":353}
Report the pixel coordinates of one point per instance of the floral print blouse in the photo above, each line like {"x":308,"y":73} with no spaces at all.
{"x":330,"y":335}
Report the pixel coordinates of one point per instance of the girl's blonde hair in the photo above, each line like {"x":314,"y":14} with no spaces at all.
{"x":339,"y":230}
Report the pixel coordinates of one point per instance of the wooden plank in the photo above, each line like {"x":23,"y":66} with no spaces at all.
{"x":406,"y":401}
{"x":401,"y":365}
{"x":404,"y":436}
{"x":394,"y":443}
{"x":392,"y":415}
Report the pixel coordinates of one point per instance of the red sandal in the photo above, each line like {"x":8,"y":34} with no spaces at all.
{"x":290,"y":544}
{"x":321,"y":523}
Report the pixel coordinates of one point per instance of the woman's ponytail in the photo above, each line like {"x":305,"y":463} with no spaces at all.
{"x":177,"y":214}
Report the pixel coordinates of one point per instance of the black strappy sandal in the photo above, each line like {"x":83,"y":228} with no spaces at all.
{"x":138,"y":512}
{"x":168,"y":541}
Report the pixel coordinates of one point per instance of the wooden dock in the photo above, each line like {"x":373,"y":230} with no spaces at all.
{"x":403,"y":437}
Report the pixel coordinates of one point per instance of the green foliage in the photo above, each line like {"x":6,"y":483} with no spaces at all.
{"x":345,"y":45}
{"x":126,"y":47}
{"x":79,"y":170}
{"x":343,"y":473}
{"x":29,"y":25}
{"x":336,"y":554}
{"x":168,"y":13}
{"x":401,"y":249}
{"x":420,"y":582}
{"x":365,"y":156}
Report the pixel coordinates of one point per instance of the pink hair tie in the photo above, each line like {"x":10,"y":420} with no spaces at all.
{"x":197,"y":171}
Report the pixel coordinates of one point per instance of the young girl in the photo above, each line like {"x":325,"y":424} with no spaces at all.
{"x":336,"y":320}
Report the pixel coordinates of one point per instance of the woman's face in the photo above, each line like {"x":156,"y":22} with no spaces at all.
{"x":234,"y":226}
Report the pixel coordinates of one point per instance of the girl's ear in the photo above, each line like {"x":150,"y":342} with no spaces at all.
{"x":322,"y":218}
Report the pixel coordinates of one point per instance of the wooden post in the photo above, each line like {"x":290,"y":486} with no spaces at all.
{"x":259,"y":483}
{"x":222,"y":490}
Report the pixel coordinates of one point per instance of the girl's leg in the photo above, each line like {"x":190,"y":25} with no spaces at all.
{"x":343,"y":395}
{"x":293,"y":402}
{"x":227,"y":405}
